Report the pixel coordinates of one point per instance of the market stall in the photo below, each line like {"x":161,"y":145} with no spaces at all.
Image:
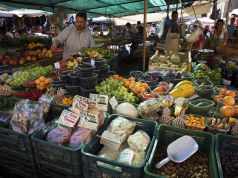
{"x":77,"y":117}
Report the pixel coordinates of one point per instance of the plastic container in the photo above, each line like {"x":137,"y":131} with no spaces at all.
{"x":205,"y":82}
{"x":195,"y":127}
{"x":227,"y":145}
{"x":45,"y":171}
{"x":201,"y":110}
{"x":73,"y":90}
{"x":85,"y":70}
{"x":74,"y":79}
{"x":137,"y":74}
{"x":57,"y":84}
{"x":64,"y":159}
{"x":96,"y":167}
{"x":204,"y":91}
{"x":167,"y":134}
{"x":105,"y":70}
{"x":16,"y":152}
{"x":64,"y":76}
{"x":99,"y":64}
{"x":89,"y":82}
{"x":85,"y":92}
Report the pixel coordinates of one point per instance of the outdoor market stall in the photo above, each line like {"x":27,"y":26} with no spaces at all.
{"x":79,"y":118}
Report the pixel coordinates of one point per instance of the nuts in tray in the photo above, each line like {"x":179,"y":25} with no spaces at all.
{"x":195,"y":122}
{"x":219,"y":124}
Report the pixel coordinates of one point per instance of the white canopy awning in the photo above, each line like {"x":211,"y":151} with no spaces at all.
{"x":203,"y":20}
{"x":234,"y":11}
{"x":29,"y":12}
{"x":5,"y":14}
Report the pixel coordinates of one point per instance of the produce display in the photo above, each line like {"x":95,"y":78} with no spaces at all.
{"x":67,"y":101}
{"x":222,"y":125}
{"x":98,"y":53}
{"x":229,"y":165}
{"x":195,"y":122}
{"x":183,"y":89}
{"x":115,"y":88}
{"x":195,"y":166}
{"x":18,"y":79}
{"x":42,"y":82}
{"x":172,"y":61}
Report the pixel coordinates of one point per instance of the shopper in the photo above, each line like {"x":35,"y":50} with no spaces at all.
{"x":130,"y":29}
{"x":231,"y":28}
{"x":138,"y":25}
{"x":75,"y":37}
{"x":220,"y":32}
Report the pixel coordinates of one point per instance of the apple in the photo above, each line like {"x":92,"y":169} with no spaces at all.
{"x":145,"y":96}
{"x":164,"y":83}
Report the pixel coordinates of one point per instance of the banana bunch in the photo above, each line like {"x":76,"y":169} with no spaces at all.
{"x":186,"y":67}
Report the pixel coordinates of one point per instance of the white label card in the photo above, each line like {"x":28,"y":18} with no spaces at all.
{"x":113,"y":102}
{"x":57,"y":65}
{"x":92,"y":62}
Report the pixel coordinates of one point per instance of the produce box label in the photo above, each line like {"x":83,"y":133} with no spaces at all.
{"x":90,"y":121}
{"x":101,"y":100}
{"x":113,"y":102}
{"x":80,"y":104}
{"x":68,"y":119}
{"x":57,"y":65}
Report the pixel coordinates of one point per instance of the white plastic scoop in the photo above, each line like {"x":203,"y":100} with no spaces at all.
{"x":179,"y":150}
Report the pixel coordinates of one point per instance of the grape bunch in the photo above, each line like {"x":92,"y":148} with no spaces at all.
{"x":116,"y":88}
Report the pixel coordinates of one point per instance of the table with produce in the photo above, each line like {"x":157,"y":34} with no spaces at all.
{"x":78,"y":118}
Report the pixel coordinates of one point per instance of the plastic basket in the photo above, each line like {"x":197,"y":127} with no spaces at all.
{"x":105,"y":70}
{"x":89,"y":82}
{"x":98,"y":167}
{"x":85,"y":92}
{"x":45,"y":171}
{"x":16,"y":153}
{"x":73,"y":90}
{"x":85,"y":70}
{"x":167,"y":134}
{"x":74,"y":79}
{"x":227,"y":145}
{"x":62,"y":159}
{"x":17,"y":167}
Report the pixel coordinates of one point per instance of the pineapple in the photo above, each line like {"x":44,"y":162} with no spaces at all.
{"x":166,"y":116}
{"x":179,"y":120}
{"x":234,"y":130}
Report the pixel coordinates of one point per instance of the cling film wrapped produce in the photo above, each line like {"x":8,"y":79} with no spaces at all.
{"x":27,"y":117}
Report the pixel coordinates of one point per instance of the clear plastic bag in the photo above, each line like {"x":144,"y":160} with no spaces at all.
{"x":27,"y":117}
{"x":80,"y":136}
{"x":59,"y":135}
{"x":139,"y":141}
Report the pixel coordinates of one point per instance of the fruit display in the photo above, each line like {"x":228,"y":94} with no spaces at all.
{"x":33,"y":45}
{"x":183,"y":89}
{"x":218,"y":124}
{"x":71,"y":64}
{"x":171,"y":61}
{"x":229,"y":111}
{"x":32,"y":95}
{"x":195,"y":122}
{"x":129,"y":81}
{"x":161,"y":88}
{"x":6,"y":90}
{"x":201,"y":106}
{"x":42,"y":83}
{"x":138,"y":88}
{"x":38,"y":54}
{"x":67,"y":101}
{"x":195,"y":166}
{"x":98,"y":53}
{"x":116,"y":77}
{"x":229,"y":164}
{"x":175,"y":77}
{"x":115,"y":88}
{"x":18,"y":79}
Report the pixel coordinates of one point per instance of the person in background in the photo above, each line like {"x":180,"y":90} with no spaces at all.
{"x":231,"y":28}
{"x":138,"y":25}
{"x":220,"y":32}
{"x":206,"y":31}
{"x":75,"y":37}
{"x":137,"y":39}
{"x":171,"y":26}
{"x":130,"y":30}
{"x":9,"y":33}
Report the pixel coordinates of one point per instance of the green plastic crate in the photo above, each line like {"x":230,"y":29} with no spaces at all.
{"x":58,"y":158}
{"x":97,"y":167}
{"x":224,"y":144}
{"x":167,"y":134}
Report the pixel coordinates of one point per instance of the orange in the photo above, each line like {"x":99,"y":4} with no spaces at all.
{"x":145,"y":85}
{"x":42,"y":84}
{"x":131,"y":79}
{"x":227,"y":111}
{"x":127,"y":83}
{"x":42,"y":78}
{"x":47,"y":81}
{"x":137,"y":88}
{"x":37,"y":82}
{"x":217,"y":97}
{"x":230,"y":93}
{"x":229,"y":100}
{"x":222,"y":91}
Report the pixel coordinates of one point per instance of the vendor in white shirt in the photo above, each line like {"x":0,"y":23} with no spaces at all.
{"x":75,"y":37}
